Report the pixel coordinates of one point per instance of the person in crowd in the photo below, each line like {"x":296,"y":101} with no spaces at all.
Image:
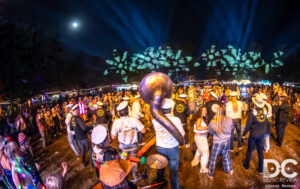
{"x":126,"y":129}
{"x":81,"y":131}
{"x":211,"y":106}
{"x":275,"y":91}
{"x":56,"y":180}
{"x":207,"y":93}
{"x":200,"y":129}
{"x":101,"y":151}
{"x":71,"y":133}
{"x":182,"y":111}
{"x":113,"y":174}
{"x":167,"y":145}
{"x":41,"y":127}
{"x":7,"y":177}
{"x":221,"y":128}
{"x":257,"y":124}
{"x":281,"y":117}
{"x":269,"y":117}
{"x":50,"y":123}
{"x":22,"y":178}
{"x":27,"y":159}
{"x":101,"y":115}
{"x":297,"y":111}
{"x":234,"y":109}
{"x":137,"y":113}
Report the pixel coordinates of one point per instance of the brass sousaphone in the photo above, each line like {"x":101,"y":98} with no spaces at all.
{"x":153,"y":89}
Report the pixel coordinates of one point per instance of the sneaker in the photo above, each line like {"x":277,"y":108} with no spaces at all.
{"x":261,"y":173}
{"x":203,"y":170}
{"x":187,"y":145}
{"x":231,"y":172}
{"x":210,"y":177}
{"x":240,"y":148}
{"x":231,"y":150}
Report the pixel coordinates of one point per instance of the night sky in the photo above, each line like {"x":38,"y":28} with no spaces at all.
{"x":103,"y":25}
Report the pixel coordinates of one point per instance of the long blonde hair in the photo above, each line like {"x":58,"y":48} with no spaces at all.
{"x":218,"y":119}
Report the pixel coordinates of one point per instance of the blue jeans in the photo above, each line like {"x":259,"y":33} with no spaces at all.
{"x":259,"y":142}
{"x":73,"y":143}
{"x":172,"y":154}
{"x":237,"y":127}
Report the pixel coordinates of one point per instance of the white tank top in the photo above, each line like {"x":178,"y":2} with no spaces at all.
{"x":203,"y":124}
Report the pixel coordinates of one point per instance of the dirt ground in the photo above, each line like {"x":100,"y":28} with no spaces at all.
{"x":50,"y":159}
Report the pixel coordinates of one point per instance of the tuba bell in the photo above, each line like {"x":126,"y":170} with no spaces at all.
{"x":154,"y":88}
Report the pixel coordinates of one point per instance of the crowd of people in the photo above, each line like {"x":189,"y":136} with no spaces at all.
{"x":93,"y":122}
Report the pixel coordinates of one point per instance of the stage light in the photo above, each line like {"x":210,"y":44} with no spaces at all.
{"x":244,"y":89}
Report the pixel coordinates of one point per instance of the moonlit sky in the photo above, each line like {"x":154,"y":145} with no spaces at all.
{"x":96,"y":27}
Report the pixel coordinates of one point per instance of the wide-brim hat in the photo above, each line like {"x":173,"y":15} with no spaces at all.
{"x":258,"y":101}
{"x":167,"y":103}
{"x":99,"y":134}
{"x":183,"y":96}
{"x":213,"y":94}
{"x":114,"y":172}
{"x":122,"y":105}
{"x":126,"y":98}
{"x":137,"y":96}
{"x":233,"y":94}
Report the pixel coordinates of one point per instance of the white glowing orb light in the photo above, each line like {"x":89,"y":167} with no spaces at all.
{"x":75,"y":25}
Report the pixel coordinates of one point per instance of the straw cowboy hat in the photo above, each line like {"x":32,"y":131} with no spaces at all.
{"x":114,"y":172}
{"x":258,"y":101}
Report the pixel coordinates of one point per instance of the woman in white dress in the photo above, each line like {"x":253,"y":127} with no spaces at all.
{"x":200,"y":129}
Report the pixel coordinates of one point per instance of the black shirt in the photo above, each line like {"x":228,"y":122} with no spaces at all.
{"x":102,"y":115}
{"x":182,"y":111}
{"x":79,"y":127}
{"x":282,"y":113}
{"x":257,"y":122}
{"x":208,"y":106}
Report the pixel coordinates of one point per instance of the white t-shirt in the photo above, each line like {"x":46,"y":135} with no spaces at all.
{"x":163,"y":138}
{"x":230,"y":112}
{"x":136,"y":110}
{"x":68,"y":122}
{"x":126,"y":129}
{"x":269,"y":110}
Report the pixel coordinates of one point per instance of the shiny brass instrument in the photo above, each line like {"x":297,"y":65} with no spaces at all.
{"x":153,"y":89}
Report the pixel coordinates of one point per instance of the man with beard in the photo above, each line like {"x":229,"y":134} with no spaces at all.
{"x":281,"y":117}
{"x":81,"y":132}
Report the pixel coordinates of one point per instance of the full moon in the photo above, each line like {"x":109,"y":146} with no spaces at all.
{"x":75,"y":25}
